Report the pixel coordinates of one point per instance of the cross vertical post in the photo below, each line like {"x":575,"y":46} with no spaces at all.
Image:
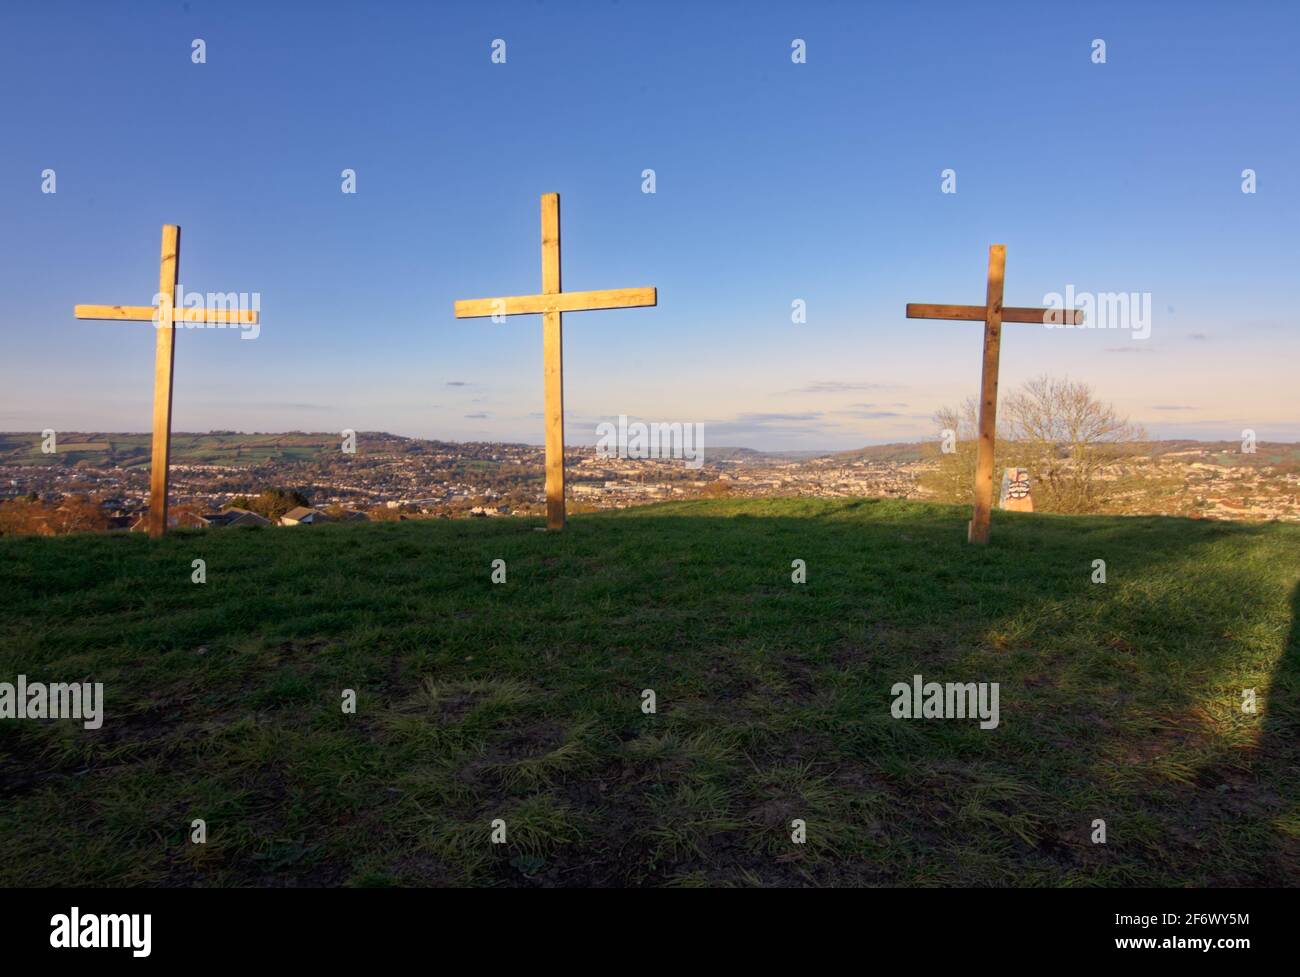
{"x":163,"y":370}
{"x":553,"y":363}
{"x":978,"y":531}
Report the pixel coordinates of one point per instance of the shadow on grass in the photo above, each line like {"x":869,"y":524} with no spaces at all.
{"x":1279,"y":748}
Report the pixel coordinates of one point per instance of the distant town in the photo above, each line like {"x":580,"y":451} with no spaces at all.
{"x":100,"y":481}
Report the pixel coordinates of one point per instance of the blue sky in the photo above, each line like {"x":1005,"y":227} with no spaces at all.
{"x":775,"y":181}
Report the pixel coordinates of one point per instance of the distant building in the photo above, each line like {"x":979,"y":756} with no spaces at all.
{"x":177,"y":518}
{"x":304,"y":516}
{"x":235,"y":517}
{"x":184,"y":518}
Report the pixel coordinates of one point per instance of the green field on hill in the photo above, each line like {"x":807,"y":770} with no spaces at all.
{"x":522,"y":701}
{"x":131,"y":450}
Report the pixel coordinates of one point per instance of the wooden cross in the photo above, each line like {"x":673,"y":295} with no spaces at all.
{"x":164,"y":315}
{"x":552,"y":303}
{"x":993,"y":315}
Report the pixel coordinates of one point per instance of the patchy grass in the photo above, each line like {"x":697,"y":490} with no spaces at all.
{"x":522,"y":702}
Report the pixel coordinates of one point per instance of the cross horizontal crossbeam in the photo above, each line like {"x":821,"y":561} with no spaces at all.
{"x":144,"y":313}
{"x":977,"y":313}
{"x":606,"y":298}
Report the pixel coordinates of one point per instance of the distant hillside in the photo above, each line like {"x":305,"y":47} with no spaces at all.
{"x":898,"y":452}
{"x":1279,"y":453}
{"x":103,"y":449}
{"x":127,"y":450}
{"x":213,"y":448}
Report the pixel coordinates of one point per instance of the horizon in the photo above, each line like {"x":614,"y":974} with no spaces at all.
{"x":1099,"y":178}
{"x":568,"y":443}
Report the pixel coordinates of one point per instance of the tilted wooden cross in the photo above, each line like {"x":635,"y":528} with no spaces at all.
{"x":552,"y":304}
{"x":993,"y":315}
{"x":164,"y":316}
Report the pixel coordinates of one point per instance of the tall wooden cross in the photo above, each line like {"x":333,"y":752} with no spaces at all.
{"x":164,"y":315}
{"x":552,"y":303}
{"x":993,"y":315}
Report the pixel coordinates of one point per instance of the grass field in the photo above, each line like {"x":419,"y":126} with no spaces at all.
{"x":522,"y":701}
{"x":133,"y":450}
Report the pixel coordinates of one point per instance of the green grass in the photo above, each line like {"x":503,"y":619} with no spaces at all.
{"x":522,"y":701}
{"x":130,"y":450}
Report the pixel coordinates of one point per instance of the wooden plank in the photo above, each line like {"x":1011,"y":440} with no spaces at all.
{"x":132,"y":312}
{"x":918,"y":310}
{"x":605,"y":298}
{"x":164,"y":360}
{"x":979,"y":524}
{"x":214,"y":316}
{"x":138,"y":313}
{"x":975,"y":313}
{"x":553,"y":364}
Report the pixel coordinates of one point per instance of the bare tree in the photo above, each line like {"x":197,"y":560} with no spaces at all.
{"x":28,"y":517}
{"x":1066,"y":435}
{"x":77,"y":515}
{"x":953,"y":479}
{"x":1054,"y":427}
